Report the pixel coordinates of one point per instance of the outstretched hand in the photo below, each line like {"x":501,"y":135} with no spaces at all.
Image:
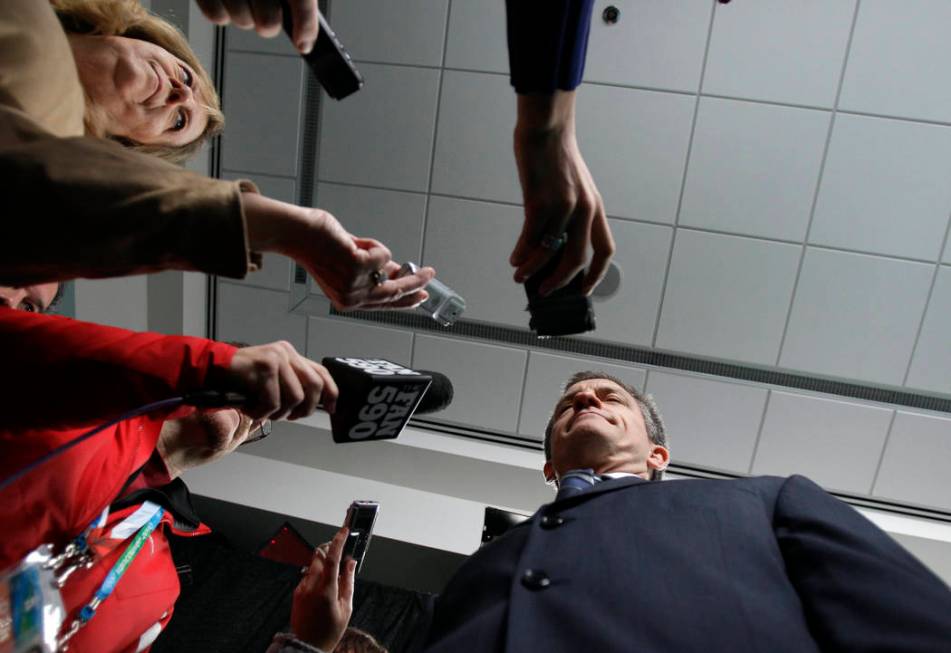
{"x":354,"y":273}
{"x":344,"y":267}
{"x":560,"y":196}
{"x":323,"y":601}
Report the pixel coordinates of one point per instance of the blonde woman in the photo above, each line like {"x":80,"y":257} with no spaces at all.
{"x":78,"y":204}
{"x":142,"y":82}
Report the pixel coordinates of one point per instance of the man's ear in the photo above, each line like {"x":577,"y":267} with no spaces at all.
{"x":658,"y":458}
{"x":549,"y":471}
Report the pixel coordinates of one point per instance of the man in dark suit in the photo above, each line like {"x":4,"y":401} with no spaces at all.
{"x":757,"y":564}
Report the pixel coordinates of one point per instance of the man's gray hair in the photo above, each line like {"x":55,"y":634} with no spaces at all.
{"x":656,"y":431}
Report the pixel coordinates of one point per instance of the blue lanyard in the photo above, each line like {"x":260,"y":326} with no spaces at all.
{"x":88,"y":611}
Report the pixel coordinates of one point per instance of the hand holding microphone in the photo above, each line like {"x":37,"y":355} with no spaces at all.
{"x":368,"y":399}
{"x":275,"y":382}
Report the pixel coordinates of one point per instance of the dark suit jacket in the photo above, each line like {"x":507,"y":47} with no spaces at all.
{"x":760,"y":564}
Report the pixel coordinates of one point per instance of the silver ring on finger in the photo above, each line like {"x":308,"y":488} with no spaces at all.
{"x":378,"y":277}
{"x":554,"y":243}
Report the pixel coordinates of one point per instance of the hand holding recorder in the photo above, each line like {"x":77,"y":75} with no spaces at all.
{"x":323,"y":599}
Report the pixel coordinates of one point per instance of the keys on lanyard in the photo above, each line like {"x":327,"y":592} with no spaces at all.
{"x":88,"y":611}
{"x":75,"y":555}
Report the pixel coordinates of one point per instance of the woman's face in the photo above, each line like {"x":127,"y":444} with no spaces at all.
{"x":147,"y":94}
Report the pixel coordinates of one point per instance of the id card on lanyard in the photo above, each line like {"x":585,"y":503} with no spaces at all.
{"x":32,"y":615}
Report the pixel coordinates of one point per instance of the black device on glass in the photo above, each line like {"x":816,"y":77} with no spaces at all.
{"x":361,"y":516}
{"x":565,"y":312}
{"x":329,"y":60}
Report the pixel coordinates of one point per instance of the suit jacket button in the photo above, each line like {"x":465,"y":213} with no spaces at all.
{"x":535,"y":580}
{"x":552,"y":521}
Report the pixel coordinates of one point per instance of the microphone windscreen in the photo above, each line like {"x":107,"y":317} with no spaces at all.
{"x":438,"y":396}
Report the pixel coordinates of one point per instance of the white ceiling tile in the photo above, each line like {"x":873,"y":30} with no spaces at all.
{"x":263,"y":100}
{"x":342,"y":337}
{"x":276,"y":270}
{"x":654,"y":43}
{"x":884,"y":189}
{"x":474,"y":156}
{"x":635,"y":144}
{"x":947,"y":253}
{"x":835,"y":443}
{"x":916,"y":462}
{"x":257,"y":316}
{"x":487,"y":380}
{"x":629,"y":316}
{"x":547,"y":375}
{"x":753,"y":168}
{"x":383,"y":135}
{"x":898,"y":61}
{"x":856,"y":316}
{"x":779,"y":51}
{"x":405,"y":32}
{"x":932,"y":361}
{"x":395,"y":218}
{"x":469,"y":244}
{"x":727,"y":296}
{"x":709,"y":423}
{"x":247,"y":40}
{"x":477,"y":37}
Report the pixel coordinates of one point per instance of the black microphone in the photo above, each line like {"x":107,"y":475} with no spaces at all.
{"x":378,"y":397}
{"x":438,"y":396}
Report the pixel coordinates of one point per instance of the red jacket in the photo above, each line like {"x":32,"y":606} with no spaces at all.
{"x":63,"y":378}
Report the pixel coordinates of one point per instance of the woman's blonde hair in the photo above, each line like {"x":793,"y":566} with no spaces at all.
{"x":130,"y":19}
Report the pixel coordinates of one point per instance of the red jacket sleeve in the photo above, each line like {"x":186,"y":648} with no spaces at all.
{"x":63,"y":373}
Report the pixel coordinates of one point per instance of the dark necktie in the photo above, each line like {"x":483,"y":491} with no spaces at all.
{"x":575,"y":482}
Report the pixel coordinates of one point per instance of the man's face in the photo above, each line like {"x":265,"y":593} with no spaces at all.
{"x":599,"y":425}
{"x":35,"y":299}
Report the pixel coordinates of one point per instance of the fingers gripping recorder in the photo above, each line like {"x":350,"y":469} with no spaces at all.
{"x":444,"y":305}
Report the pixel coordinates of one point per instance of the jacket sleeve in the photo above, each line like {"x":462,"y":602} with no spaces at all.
{"x":86,"y":207}
{"x":63,"y":373}
{"x":860,"y":590}
{"x":548,"y":42}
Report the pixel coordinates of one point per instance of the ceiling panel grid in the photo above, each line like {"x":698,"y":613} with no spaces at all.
{"x":836,"y":443}
{"x":758,"y":220}
{"x":916,"y":461}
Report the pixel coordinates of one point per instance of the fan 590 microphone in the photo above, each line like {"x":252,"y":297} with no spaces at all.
{"x":378,"y":397}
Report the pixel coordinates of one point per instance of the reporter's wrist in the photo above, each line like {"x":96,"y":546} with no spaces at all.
{"x":273,"y":226}
{"x":541,"y":113}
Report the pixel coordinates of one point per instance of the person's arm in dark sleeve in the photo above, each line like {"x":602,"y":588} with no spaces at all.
{"x":548,"y":41}
{"x":860,"y":590}
{"x":63,"y":373}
